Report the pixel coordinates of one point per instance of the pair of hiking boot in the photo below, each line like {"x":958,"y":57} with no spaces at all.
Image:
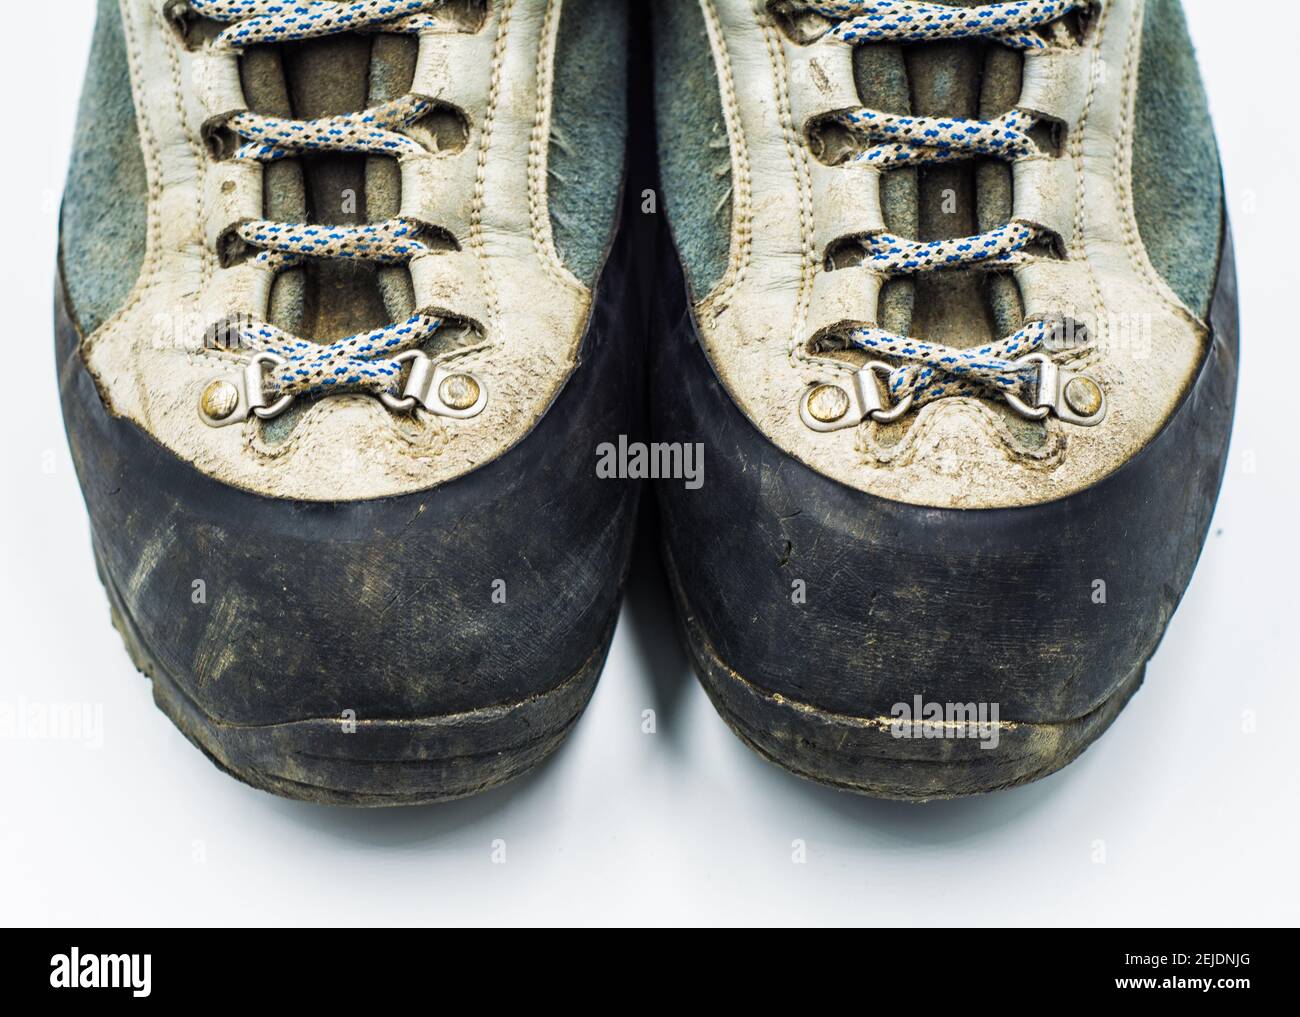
{"x":343,"y":321}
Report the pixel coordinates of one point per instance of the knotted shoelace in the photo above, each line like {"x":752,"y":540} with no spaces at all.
{"x":362,"y":362}
{"x":931,"y":370}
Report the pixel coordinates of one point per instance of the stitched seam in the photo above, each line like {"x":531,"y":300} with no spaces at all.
{"x":1079,"y":249}
{"x":480,"y":180}
{"x":539,"y":156}
{"x":196,"y":148}
{"x":1046,"y":458}
{"x":279,"y":455}
{"x":799,"y":161}
{"x":741,"y":187}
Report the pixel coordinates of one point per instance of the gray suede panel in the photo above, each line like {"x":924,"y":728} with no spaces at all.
{"x":694,"y":155}
{"x":1176,"y":178}
{"x":588,"y":130}
{"x":105,"y":204}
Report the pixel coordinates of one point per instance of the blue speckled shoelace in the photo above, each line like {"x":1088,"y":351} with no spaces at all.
{"x":364,"y":362}
{"x":930,"y":370}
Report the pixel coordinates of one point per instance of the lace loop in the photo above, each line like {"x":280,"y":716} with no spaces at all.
{"x":935,"y":371}
{"x":913,"y":21}
{"x":276,"y":21}
{"x":926,"y":140}
{"x":364,"y":361}
{"x":894,"y":255}
{"x":285,"y":244}
{"x":370,"y":132}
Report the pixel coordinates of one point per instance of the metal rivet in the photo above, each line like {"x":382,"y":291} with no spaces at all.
{"x":828,"y":403}
{"x":1083,"y":396}
{"x":220,"y":399}
{"x":459,"y":391}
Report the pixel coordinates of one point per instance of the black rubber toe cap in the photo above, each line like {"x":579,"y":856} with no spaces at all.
{"x":488,"y":590}
{"x":952,"y":605}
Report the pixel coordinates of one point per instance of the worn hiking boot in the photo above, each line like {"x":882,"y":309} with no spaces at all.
{"x":960,"y":343}
{"x":334,"y":309}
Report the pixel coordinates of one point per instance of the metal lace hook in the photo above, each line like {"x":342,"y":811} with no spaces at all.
{"x":1074,"y":398}
{"x":436,"y":388}
{"x":233,"y":399}
{"x":833,"y":405}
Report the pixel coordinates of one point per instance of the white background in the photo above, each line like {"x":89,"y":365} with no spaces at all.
{"x":1196,"y":815}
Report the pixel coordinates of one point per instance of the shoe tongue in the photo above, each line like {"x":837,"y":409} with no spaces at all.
{"x":966,"y":78}
{"x":331,"y":76}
